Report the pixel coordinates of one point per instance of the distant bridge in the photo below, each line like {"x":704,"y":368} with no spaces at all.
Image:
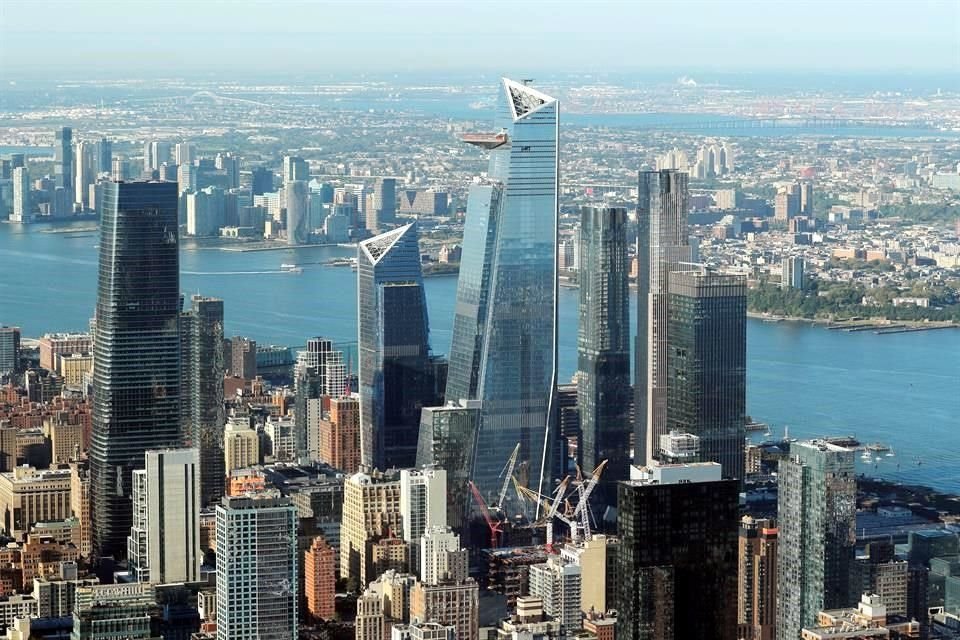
{"x":801,"y":122}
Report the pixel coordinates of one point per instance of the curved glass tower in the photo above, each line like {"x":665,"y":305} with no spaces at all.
{"x":504,"y":344}
{"x":136,"y":351}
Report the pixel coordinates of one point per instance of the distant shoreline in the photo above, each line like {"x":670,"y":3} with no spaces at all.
{"x":882,"y":325}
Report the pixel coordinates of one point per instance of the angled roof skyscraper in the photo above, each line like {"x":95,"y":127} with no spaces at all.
{"x":504,"y":345}
{"x":396,"y":373}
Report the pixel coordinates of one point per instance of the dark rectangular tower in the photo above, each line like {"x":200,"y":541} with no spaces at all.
{"x":136,"y":352}
{"x":63,"y":159}
{"x":203,"y":363}
{"x":678,"y":554}
{"x":707,"y":364}
{"x":603,"y":346}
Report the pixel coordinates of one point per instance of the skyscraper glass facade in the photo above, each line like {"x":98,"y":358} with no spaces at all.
{"x":136,"y":353}
{"x":503,"y":351}
{"x":662,"y":245}
{"x":707,"y":362}
{"x":395,"y":372}
{"x":816,"y":516}
{"x":603,"y":345}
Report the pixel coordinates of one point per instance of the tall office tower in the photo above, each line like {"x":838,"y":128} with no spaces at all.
{"x":164,"y":542}
{"x":119,"y":169}
{"x":603,"y":347}
{"x":229,"y":164}
{"x":319,"y":579}
{"x":678,"y":553}
{"x":371,"y":511}
{"x":296,"y":193}
{"x":806,"y":198}
{"x":155,"y":153}
{"x":136,"y":349}
{"x":243,"y":355}
{"x":261,"y":181}
{"x":446,"y":440}
{"x":369,"y":622}
{"x":85,"y":172}
{"x":22,"y":204}
{"x":104,"y":156}
{"x":662,"y":246}
{"x":816,"y":511}
{"x":597,"y":559}
{"x":452,"y":603}
{"x":257,"y":567}
{"x":786,"y":204}
{"x":202,"y":367}
{"x":792,"y":278}
{"x":504,"y":347}
{"x":295,"y":168}
{"x":63,"y":159}
{"x":184,"y":153}
{"x":423,"y":505}
{"x":558,"y":583}
{"x":707,"y":364}
{"x":757,"y":580}
{"x":394,"y":348}
{"x":383,"y":207}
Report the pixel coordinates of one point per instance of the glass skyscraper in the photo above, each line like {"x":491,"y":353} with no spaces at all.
{"x":662,"y":245}
{"x":603,"y":345}
{"x":503,"y":351}
{"x":707,"y":364}
{"x":136,"y":353}
{"x":816,"y":517}
{"x":202,"y":367}
{"x":395,"y":377}
{"x":63,"y":159}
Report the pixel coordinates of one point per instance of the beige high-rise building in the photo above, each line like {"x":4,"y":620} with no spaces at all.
{"x":53,"y":345}
{"x":28,"y":495}
{"x":66,"y":440}
{"x":596,"y":558}
{"x":757,"y":580}
{"x":74,"y":368}
{"x":369,"y":621}
{"x":80,"y":505}
{"x":371,"y":510}
{"x":457,"y":605}
{"x":241,"y":445}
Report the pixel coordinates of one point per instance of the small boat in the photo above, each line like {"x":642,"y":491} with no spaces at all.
{"x":878,"y":447}
{"x":866,"y":456}
{"x":286,"y":266}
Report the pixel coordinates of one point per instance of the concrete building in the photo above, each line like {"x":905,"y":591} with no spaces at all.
{"x":371,"y":511}
{"x":164,"y":542}
{"x":319,"y":578}
{"x":597,"y":559}
{"x":448,"y":603}
{"x":29,"y":495}
{"x":104,"y":612}
{"x":369,"y":621}
{"x":22,"y":199}
{"x":441,"y":557}
{"x":792,"y":273}
{"x":757,"y":580}
{"x":241,"y":445}
{"x":334,"y":438}
{"x":423,"y":506}
{"x":559,"y":585}
{"x":257,"y":568}
{"x":868,"y":620}
{"x":9,"y":350}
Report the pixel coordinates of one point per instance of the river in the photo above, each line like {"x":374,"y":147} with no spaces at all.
{"x":899,"y":389}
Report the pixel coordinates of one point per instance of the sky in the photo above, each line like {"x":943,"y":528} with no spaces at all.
{"x":56,"y":39}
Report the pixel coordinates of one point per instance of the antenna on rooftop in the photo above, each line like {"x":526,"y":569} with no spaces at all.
{"x":527,"y":81}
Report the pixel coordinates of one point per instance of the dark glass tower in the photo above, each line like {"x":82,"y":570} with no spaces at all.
{"x":662,"y":245}
{"x":707,"y":364}
{"x":678,"y":555}
{"x":504,"y":347}
{"x":603,"y":346}
{"x":396,"y":378}
{"x":202,"y":366}
{"x":63,"y":159}
{"x":136,"y":383}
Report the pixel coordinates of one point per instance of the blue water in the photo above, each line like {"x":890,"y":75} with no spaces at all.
{"x":899,"y":389}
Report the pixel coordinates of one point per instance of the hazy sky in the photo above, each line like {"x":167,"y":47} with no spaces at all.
{"x":90,"y":38}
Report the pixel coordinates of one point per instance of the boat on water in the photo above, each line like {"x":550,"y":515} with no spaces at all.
{"x":866,"y":456}
{"x":757,"y":426}
{"x":878,"y":447}
{"x":290,"y":268}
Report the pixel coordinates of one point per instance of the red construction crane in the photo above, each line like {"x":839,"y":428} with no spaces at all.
{"x":495,"y":526}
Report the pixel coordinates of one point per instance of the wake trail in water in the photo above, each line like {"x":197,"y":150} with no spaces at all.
{"x":229,"y":273}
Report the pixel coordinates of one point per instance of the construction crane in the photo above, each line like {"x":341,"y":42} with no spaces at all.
{"x":583,"y":504}
{"x":494,"y":526}
{"x":551,"y":508}
{"x":506,"y":474}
